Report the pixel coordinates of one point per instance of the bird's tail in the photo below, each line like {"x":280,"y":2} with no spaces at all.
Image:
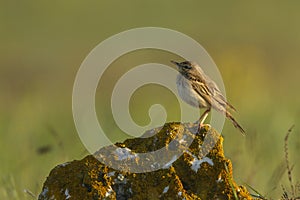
{"x":235,"y":123}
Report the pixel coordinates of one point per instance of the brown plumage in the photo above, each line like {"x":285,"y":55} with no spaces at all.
{"x":198,"y":90}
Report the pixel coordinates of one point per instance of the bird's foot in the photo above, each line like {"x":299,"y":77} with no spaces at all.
{"x":205,"y":126}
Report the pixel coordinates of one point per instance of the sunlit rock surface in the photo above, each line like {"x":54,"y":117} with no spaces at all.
{"x":191,"y":166}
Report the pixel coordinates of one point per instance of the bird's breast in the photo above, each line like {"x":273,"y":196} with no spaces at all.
{"x":188,"y":94}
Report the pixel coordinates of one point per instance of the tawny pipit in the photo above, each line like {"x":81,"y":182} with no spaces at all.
{"x":198,"y":90}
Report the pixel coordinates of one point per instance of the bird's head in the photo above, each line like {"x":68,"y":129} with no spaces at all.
{"x":185,"y":67}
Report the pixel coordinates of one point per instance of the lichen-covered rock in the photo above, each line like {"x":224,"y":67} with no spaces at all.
{"x":199,"y":172}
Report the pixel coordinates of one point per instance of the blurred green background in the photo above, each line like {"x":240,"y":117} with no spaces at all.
{"x":255,"y":45}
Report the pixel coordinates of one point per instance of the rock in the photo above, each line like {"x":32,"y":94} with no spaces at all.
{"x":191,"y":166}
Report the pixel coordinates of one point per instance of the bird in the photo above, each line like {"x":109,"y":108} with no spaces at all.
{"x":199,"y":90}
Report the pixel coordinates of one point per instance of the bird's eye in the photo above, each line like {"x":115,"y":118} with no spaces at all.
{"x":187,"y":67}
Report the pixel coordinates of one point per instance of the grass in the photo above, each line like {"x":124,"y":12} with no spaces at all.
{"x":45,"y":42}
{"x":294,"y":192}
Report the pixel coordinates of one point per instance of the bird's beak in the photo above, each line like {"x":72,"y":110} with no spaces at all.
{"x":174,"y":62}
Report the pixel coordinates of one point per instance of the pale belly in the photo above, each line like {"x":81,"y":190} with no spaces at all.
{"x":187,"y":93}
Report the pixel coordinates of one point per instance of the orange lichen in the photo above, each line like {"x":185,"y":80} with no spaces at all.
{"x":196,"y":174}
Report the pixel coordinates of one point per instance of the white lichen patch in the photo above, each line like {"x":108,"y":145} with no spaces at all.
{"x":44,"y":192}
{"x":219,"y":180}
{"x":166,"y":189}
{"x":168,"y":164}
{"x":155,"y":165}
{"x":109,"y":192}
{"x":124,"y":154}
{"x":182,"y":140}
{"x":120,"y":179}
{"x":196,"y":163}
{"x":110,"y":174}
{"x":67,"y":194}
{"x":64,"y":164}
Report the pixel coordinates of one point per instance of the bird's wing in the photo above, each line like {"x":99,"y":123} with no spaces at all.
{"x":202,"y":89}
{"x":211,"y":94}
{"x":210,"y":89}
{"x":216,"y":93}
{"x":218,"y":96}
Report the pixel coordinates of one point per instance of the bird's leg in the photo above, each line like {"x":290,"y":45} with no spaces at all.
{"x":203,"y":117}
